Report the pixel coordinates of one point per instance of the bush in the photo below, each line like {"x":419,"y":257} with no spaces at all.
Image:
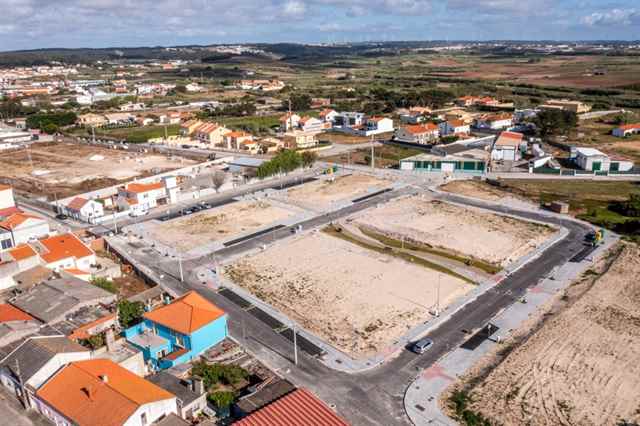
{"x":216,"y":374}
{"x":130,"y":313}
{"x":105,"y":284}
{"x":222,"y":399}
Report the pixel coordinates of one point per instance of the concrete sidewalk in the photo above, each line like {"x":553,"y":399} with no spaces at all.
{"x":422,"y":396}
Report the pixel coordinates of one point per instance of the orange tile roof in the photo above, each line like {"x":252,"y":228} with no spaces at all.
{"x":79,"y":393}
{"x":16,"y":219}
{"x":186,"y":314}
{"x":64,"y":246}
{"x":4,"y":187}
{"x":377,"y":119}
{"x":139,"y":188}
{"x":77,"y":203}
{"x":11,"y":313}
{"x":22,"y":252}
{"x":326,"y":112}
{"x":509,"y":139}
{"x":76,"y":271}
{"x":236,"y":134}
{"x":421,"y":128}
{"x":9,"y":211}
{"x":300,"y":407}
{"x":630,"y":126}
{"x":456,"y":123}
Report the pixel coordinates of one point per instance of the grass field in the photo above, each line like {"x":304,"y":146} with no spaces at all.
{"x":588,"y":200}
{"x":137,"y":134}
{"x":385,"y":156}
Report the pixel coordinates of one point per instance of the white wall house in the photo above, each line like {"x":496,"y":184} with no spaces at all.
{"x":454,"y":127}
{"x":84,"y":209}
{"x":508,"y":147}
{"x":626,"y":130}
{"x":289,"y":121}
{"x":65,"y":251}
{"x":25,"y":227}
{"x":6,"y":197}
{"x":311,"y":124}
{"x":421,"y":134}
{"x":593,"y":160}
{"x":494,"y":121}
{"x":100,"y":392}
{"x":377,"y":125}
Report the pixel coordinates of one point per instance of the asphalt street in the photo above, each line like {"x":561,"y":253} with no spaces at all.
{"x":375,"y":397}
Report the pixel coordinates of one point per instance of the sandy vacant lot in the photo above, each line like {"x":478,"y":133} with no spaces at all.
{"x":189,"y":232}
{"x":66,"y":167}
{"x":356,"y":299}
{"x":581,"y":367}
{"x":321,"y":193}
{"x":485,"y":236}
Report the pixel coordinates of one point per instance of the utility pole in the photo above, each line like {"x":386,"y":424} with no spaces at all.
{"x":115,"y":222}
{"x":180,"y":266}
{"x":373,"y":154}
{"x":438,"y":297}
{"x":93,"y":133}
{"x":295,"y":345}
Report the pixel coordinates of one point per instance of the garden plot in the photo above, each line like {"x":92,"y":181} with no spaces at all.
{"x":472,"y":233}
{"x":320,"y":194}
{"x":358,"y":300}
{"x":196,"y":230}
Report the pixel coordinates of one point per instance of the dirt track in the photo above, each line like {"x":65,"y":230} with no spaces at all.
{"x":581,"y":367}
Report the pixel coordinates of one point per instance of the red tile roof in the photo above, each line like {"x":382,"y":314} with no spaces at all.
{"x":9,"y":211}
{"x":139,"y":188}
{"x":15,"y":220}
{"x":22,"y":252}
{"x":300,"y":407}
{"x":99,"y":392}
{"x":62,"y":247}
{"x":186,"y":314}
{"x":11,"y":313}
{"x":630,"y":126}
{"x":509,"y":139}
{"x":77,"y":203}
{"x":421,"y":128}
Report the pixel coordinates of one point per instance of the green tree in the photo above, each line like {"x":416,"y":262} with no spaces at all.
{"x":49,"y":128}
{"x":181,"y":88}
{"x":309,"y":158}
{"x":555,"y":122}
{"x":130,"y":313}
{"x":93,"y":342}
{"x":299,"y":102}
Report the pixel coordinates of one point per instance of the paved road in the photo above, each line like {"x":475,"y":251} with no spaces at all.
{"x":376,"y":397}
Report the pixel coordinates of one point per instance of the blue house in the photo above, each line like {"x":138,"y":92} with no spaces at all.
{"x":178,"y":332}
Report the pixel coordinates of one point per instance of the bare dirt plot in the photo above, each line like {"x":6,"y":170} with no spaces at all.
{"x":321,"y":193}
{"x":492,"y":238}
{"x":580,"y":366}
{"x":357,"y":299}
{"x":68,"y":168}
{"x":473,"y":189}
{"x":189,"y":232}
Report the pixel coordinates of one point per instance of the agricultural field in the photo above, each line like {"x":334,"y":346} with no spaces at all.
{"x":322,"y":193}
{"x":133,"y":134}
{"x":189,"y":232}
{"x":66,"y":169}
{"x":489,"y":238}
{"x":385,"y":156}
{"x":579,"y":364}
{"x":358,"y":300}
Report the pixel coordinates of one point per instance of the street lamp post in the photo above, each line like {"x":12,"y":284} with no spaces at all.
{"x":295,"y":345}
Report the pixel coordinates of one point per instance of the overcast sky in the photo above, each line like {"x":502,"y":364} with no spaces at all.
{"x":27,"y":24}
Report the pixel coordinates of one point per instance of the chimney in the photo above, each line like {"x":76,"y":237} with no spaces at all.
{"x":89,"y":391}
{"x":197,"y":385}
{"x":104,"y":378}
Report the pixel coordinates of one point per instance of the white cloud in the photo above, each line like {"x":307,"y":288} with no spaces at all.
{"x":613,"y":17}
